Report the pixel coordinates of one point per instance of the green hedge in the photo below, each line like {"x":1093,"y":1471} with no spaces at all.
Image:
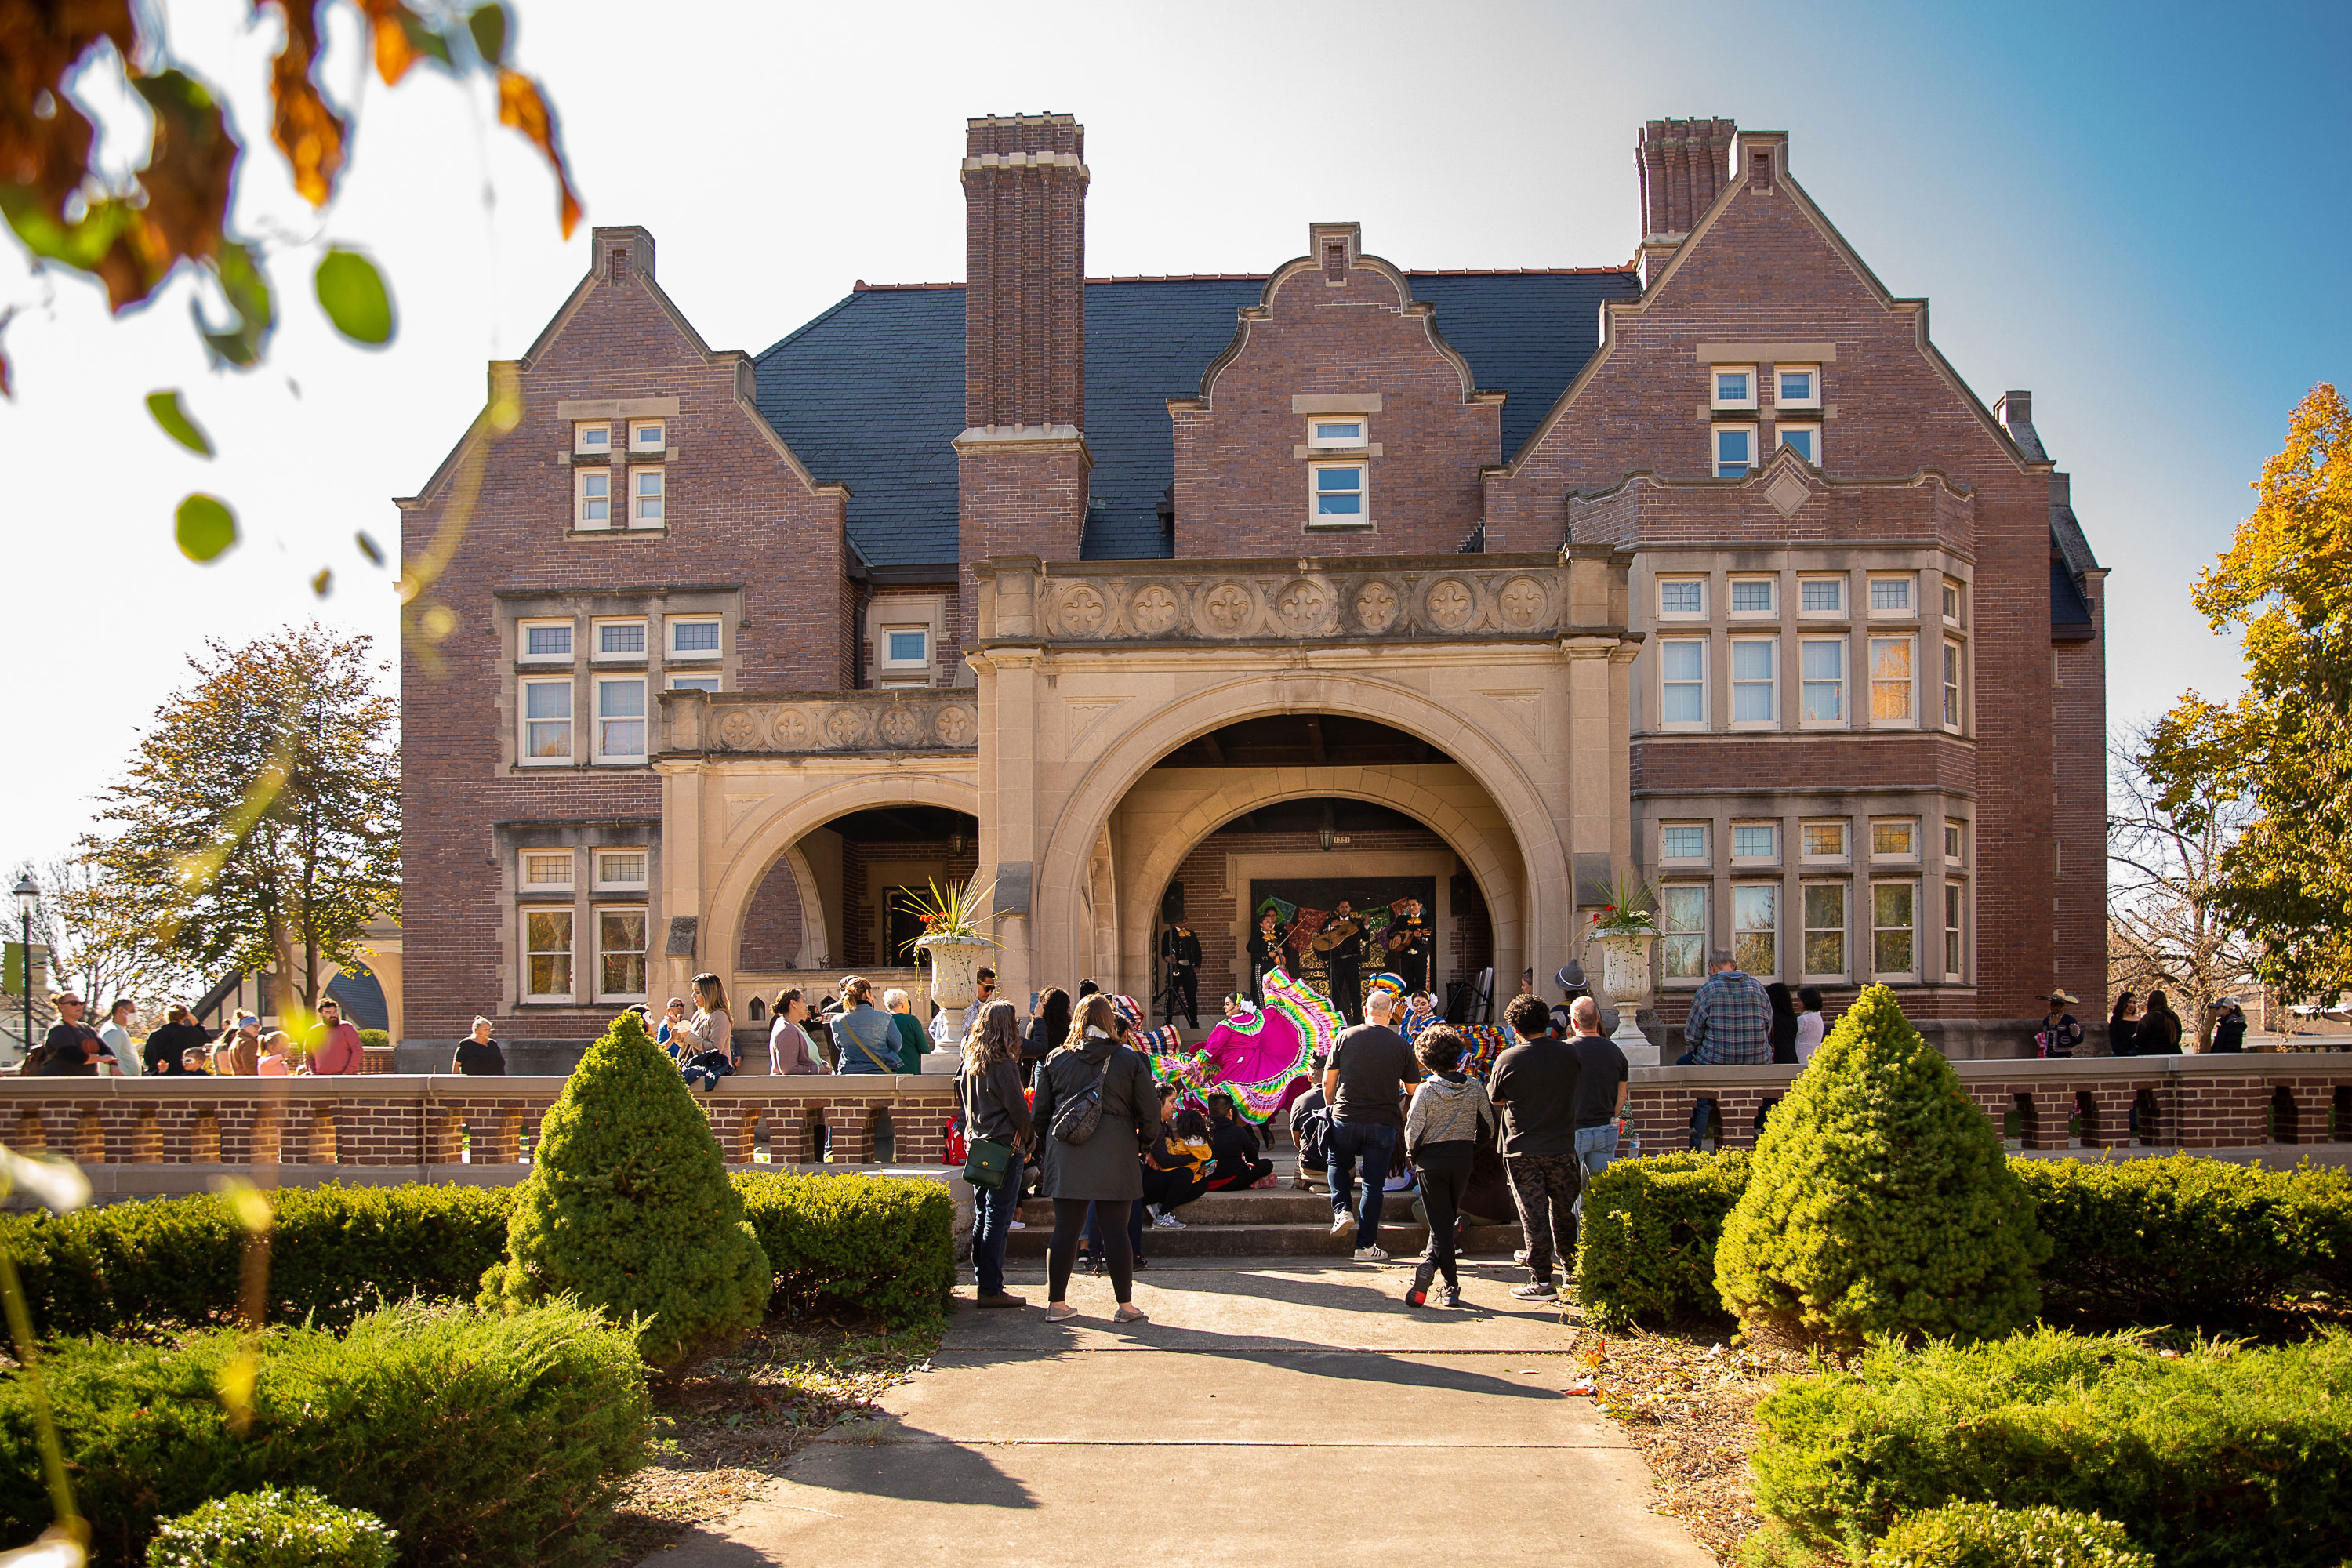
{"x":1645,"y":1251}
{"x":273,"y":1528}
{"x":878,"y":1244}
{"x":2175,"y":1240}
{"x":479,"y":1439}
{"x":1978,"y":1535}
{"x":377,"y":1039}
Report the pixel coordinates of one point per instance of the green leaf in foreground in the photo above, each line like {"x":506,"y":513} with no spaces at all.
{"x":369,"y":547}
{"x":173,"y":417}
{"x":489,"y":28}
{"x":206,"y":527}
{"x":351,"y":292}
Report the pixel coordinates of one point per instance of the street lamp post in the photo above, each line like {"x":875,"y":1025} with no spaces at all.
{"x":29,"y":899}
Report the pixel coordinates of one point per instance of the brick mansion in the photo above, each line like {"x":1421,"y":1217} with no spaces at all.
{"x":1154,"y":599}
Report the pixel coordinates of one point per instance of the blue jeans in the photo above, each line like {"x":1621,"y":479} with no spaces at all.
{"x":1595,"y":1147}
{"x":992,"y":1223}
{"x":1373,"y":1144}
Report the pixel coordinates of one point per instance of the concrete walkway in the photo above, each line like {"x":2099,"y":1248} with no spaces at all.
{"x":1284,"y":1412}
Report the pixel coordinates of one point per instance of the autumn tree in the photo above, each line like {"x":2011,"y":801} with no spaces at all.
{"x":259,"y":822}
{"x":2168,"y":925}
{"x":2285,"y":748}
{"x":90,"y":923}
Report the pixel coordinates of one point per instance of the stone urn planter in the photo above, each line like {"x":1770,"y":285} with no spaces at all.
{"x":1625,"y":981}
{"x":955,"y":969}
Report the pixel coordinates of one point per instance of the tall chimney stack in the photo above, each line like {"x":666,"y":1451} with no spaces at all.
{"x":1022,"y":458}
{"x":1684,"y":165}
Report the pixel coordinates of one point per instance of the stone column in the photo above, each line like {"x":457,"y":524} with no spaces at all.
{"x":682,"y":857}
{"x":1008,"y":846}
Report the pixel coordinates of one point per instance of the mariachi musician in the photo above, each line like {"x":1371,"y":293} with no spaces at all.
{"x":1409,"y":944}
{"x":1342,"y":943}
{"x":1264,"y":953}
{"x":1180,"y":952}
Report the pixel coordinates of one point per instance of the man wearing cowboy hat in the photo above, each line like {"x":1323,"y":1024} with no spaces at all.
{"x":1572,"y":984}
{"x":2060,"y":1033}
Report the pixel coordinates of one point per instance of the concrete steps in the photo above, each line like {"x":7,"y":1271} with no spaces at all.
{"x":1271,"y":1222}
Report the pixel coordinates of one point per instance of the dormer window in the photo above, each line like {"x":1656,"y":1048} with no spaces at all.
{"x":592,"y":438}
{"x":1349,"y":432}
{"x":1734,"y":386}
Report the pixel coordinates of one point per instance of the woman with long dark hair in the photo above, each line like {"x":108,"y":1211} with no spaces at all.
{"x":1048,"y":1029}
{"x":987,"y":1089}
{"x":2159,"y":1031}
{"x":2123,"y":1026}
{"x":1784,"y":1024}
{"x":1105,"y":1165}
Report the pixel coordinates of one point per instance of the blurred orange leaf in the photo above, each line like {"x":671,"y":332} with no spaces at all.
{"x":308,"y":132}
{"x":521,"y":106}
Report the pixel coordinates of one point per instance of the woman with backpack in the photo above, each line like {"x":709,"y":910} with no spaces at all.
{"x":1098,"y":1109}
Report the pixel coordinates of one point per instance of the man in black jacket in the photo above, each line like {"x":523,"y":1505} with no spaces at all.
{"x":1344,"y":965}
{"x":1180,"y":950}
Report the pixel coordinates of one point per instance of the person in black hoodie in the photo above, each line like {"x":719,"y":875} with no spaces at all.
{"x":2123,"y":1028}
{"x":1450,"y":1116}
{"x":166,"y":1048}
{"x":1236,"y":1145}
{"x":2159,"y":1031}
{"x":2229,"y":1028}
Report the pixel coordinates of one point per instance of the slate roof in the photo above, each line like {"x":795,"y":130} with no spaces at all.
{"x":870,"y":394}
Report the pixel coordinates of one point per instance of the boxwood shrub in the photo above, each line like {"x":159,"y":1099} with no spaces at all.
{"x":273,"y":1528}
{"x":479,"y":1439}
{"x":875,"y":1244}
{"x":1646,"y":1249}
{"x":377,"y":1039}
{"x":2213,"y":1459}
{"x":1979,"y":1535}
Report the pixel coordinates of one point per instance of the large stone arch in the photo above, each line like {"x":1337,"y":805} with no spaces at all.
{"x":1498,"y":866}
{"x":745,"y":863}
{"x":1123,"y":759}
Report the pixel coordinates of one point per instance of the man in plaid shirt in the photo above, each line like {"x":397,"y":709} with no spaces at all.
{"x":1730,"y":1025}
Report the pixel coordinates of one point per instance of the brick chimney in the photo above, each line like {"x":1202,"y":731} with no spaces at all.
{"x":1684,"y":165}
{"x":1022,"y":458}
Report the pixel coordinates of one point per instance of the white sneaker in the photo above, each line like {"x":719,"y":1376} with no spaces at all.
{"x":1016,"y":1225}
{"x":1342,"y":1223}
{"x":1162,"y":1220}
{"x":1371,"y":1254}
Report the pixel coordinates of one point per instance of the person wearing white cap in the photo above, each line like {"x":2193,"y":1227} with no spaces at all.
{"x":2059,"y":1034}
{"x":2229,"y":1028}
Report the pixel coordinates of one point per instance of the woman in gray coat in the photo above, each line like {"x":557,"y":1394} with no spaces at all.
{"x":1108,"y":1167}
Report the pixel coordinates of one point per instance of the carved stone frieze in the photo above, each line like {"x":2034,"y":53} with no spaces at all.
{"x":1412,"y":598}
{"x":751,"y":722}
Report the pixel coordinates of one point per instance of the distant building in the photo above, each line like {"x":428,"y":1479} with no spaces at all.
{"x":1155,"y":598}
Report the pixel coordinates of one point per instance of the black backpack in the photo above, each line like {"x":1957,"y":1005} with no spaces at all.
{"x":1076,"y":1118}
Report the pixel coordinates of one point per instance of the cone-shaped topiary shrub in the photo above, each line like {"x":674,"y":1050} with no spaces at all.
{"x":1879,"y":1201}
{"x":628,"y":1207}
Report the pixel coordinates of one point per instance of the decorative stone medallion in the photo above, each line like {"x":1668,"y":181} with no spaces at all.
{"x":1228,"y":609}
{"x":791,"y":728}
{"x":1300,"y":606}
{"x":900,"y":727}
{"x":842,"y":726}
{"x":1786,"y":492}
{"x":1451,"y":604}
{"x":1376,"y":607}
{"x":1523,"y":601}
{"x":739,"y":732}
{"x":1154,"y":611}
{"x":1082,"y":611}
{"x":954,"y":725}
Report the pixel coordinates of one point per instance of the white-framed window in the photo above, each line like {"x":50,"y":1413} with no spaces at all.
{"x":1895,"y":839}
{"x":620,"y":955}
{"x":1756,"y":928}
{"x":1758,"y":597}
{"x":622,"y":869}
{"x":592,"y":437}
{"x":648,"y":490}
{"x":1823,"y":597}
{"x":648,"y":435}
{"x":1955,"y":842}
{"x":1684,"y":843}
{"x":906,"y":648}
{"x":1891,"y":680}
{"x":543,"y":642}
{"x":1820,"y":670}
{"x":547,"y":955}
{"x":1953,"y":603}
{"x":1805,"y":440}
{"x":546,"y":720}
{"x":620,"y":640}
{"x":1732,"y":387}
{"x":1338,"y":493}
{"x":1797,"y":385}
{"x":1824,"y":930}
{"x":1734,"y":450}
{"x":1755,"y":681}
{"x":620,"y":719}
{"x":1892,"y":596}
{"x":1956,"y":899}
{"x":694,"y":636}
{"x":547,"y":870}
{"x":1894,"y":943}
{"x":1682,"y":925}
{"x":1341,"y":430}
{"x":591,"y":498}
{"x":1952,"y":686}
{"x":1754,"y":843}
{"x":1682,"y":598}
{"x":694,"y":683}
{"x":1823,"y":841}
{"x":1682,"y":683}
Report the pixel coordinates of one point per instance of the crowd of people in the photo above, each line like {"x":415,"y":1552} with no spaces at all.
{"x":180,"y":1045}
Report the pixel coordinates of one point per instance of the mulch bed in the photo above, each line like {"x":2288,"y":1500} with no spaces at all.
{"x":730,"y":1422}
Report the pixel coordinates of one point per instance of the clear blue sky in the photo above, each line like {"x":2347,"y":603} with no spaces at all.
{"x":2139,"y":213}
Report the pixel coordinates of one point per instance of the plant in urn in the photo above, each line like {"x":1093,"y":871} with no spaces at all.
{"x":952,"y":918}
{"x":1625,"y":928}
